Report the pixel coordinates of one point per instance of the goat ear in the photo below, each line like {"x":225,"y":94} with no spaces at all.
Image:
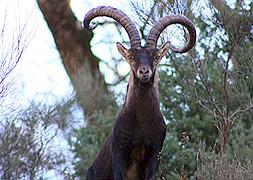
{"x":124,"y":52}
{"x":161,"y":52}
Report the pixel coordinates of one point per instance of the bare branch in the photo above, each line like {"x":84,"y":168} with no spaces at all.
{"x":238,"y":111}
{"x":14,"y":39}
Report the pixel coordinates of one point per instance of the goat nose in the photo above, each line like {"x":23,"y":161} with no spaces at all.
{"x":144,"y":71}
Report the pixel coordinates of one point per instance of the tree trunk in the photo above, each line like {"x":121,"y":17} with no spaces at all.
{"x":81,"y":65}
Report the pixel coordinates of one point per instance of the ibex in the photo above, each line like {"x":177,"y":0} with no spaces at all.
{"x":133,"y":148}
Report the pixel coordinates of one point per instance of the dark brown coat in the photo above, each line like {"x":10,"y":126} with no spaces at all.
{"x":132,"y":150}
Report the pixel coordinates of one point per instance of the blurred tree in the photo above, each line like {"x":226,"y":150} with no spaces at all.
{"x":14,"y":39}
{"x":73,"y":44}
{"x":28,"y":141}
{"x":24,"y":136}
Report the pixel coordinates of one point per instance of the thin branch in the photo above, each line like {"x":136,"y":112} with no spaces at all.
{"x":145,"y":21}
{"x":225,"y":82}
{"x":238,"y":111}
{"x":209,"y":95}
{"x":123,"y":78}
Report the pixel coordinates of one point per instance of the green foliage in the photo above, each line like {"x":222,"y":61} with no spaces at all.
{"x":183,"y":115}
{"x":88,"y":140}
{"x":193,"y":88}
{"x":240,"y":142}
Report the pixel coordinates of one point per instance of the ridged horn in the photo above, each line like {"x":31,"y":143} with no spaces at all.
{"x":120,"y":17}
{"x":164,"y":22}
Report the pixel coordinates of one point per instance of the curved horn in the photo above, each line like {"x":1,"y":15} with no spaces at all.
{"x":120,"y":17}
{"x":164,"y":22}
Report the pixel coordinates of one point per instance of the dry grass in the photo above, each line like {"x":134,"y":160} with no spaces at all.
{"x":212,"y":167}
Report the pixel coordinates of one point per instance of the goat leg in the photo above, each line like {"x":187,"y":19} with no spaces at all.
{"x":153,"y":161}
{"x":118,"y":166}
{"x":152,"y":167}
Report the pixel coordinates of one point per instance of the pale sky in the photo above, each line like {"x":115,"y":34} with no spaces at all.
{"x":40,"y":71}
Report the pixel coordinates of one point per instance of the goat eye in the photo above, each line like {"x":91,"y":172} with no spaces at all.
{"x":157,"y":57}
{"x":130,"y":57}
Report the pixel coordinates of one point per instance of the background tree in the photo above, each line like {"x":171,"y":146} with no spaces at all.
{"x":73,"y":44}
{"x":28,"y":133}
{"x":29,"y":141}
{"x":14,"y":39}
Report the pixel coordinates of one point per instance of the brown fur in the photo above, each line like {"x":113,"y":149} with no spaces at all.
{"x":139,"y":130}
{"x":131,"y":151}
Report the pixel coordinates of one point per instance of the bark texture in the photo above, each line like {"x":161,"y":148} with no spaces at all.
{"x":73,"y":43}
